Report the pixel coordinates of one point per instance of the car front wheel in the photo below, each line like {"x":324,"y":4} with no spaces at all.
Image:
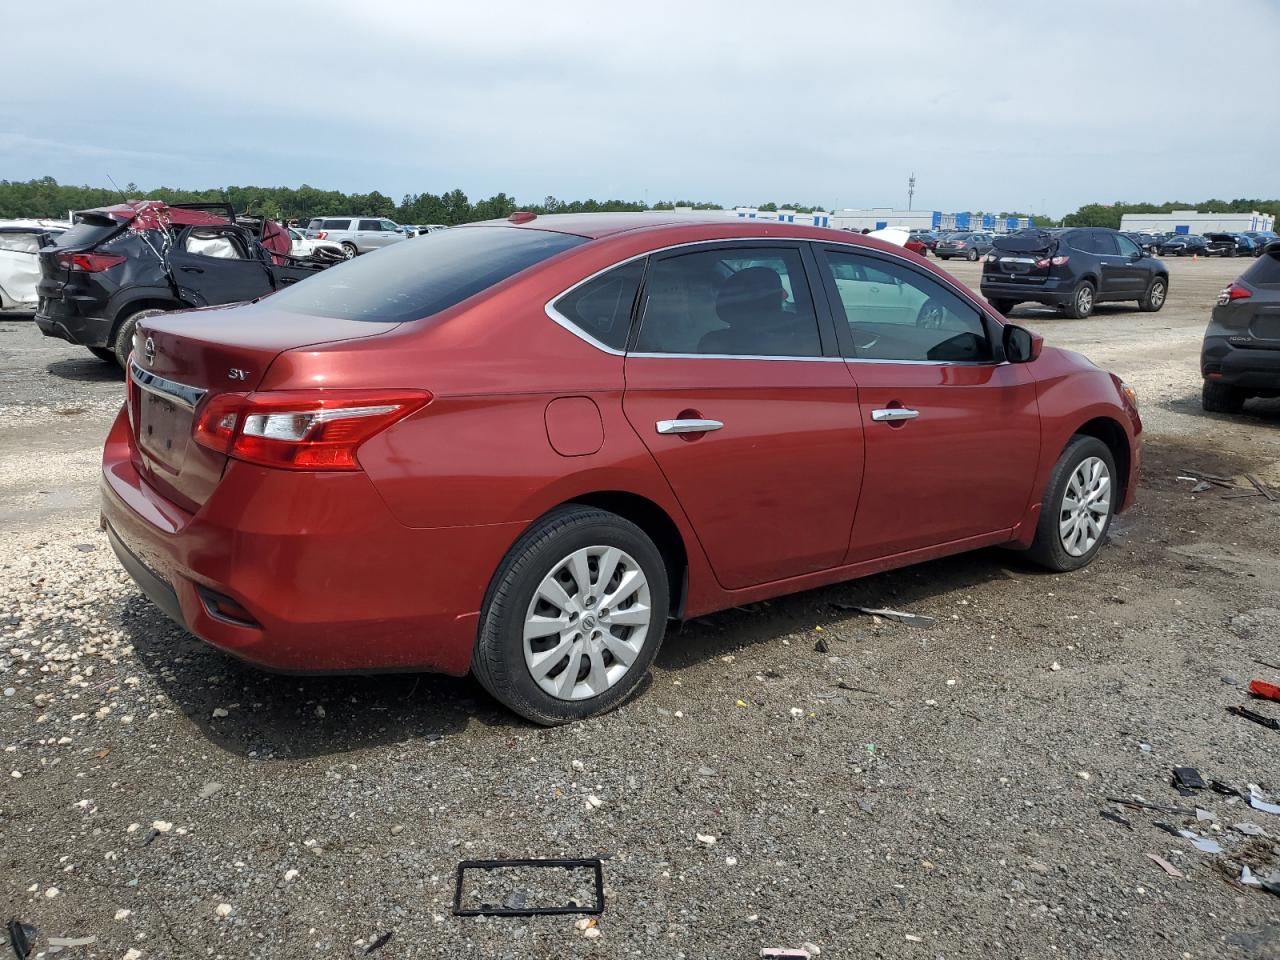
{"x":574,"y":616}
{"x":1078,"y":504}
{"x":1155,"y":296}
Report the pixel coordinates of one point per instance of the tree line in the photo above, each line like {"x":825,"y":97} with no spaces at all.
{"x":45,"y":197}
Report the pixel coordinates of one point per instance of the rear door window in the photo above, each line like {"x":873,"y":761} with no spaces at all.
{"x":1265,"y":271}
{"x":408,"y":281}
{"x":601,"y":307}
{"x":896,"y":313}
{"x":730,"y":301}
{"x":371,"y":225}
{"x":1105,"y":243}
{"x":337,"y":224}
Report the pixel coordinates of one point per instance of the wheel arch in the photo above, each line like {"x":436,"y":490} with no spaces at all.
{"x":1111,"y":433}
{"x":657,"y":525}
{"x":145,"y":302}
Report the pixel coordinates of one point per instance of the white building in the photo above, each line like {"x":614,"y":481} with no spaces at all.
{"x":878,"y":218}
{"x":1194,"y":222}
{"x":819,"y":218}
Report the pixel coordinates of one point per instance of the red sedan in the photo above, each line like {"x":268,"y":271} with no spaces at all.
{"x":521,"y":448}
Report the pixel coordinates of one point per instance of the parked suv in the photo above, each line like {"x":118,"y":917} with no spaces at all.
{"x":141,"y":258}
{"x":970,"y":246}
{"x":1240,"y":357}
{"x":519,"y":448}
{"x":355,"y":235}
{"x":1260,"y":239}
{"x":1072,"y":269}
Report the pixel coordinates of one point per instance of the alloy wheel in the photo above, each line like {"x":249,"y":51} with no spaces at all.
{"x":1157,"y":295}
{"x":586,"y":623}
{"x":1086,"y":505}
{"x":1084,"y":301}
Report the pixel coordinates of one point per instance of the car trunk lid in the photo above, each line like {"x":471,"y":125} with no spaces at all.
{"x":1023,"y":257}
{"x":183,"y":360}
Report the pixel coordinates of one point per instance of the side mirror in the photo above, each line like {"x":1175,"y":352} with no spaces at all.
{"x":1020,"y":344}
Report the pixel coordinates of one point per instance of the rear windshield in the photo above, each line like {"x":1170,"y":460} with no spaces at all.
{"x":89,"y":229}
{"x":1265,"y":271}
{"x":408,"y":281}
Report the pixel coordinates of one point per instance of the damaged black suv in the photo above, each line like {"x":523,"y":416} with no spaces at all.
{"x":119,"y":264}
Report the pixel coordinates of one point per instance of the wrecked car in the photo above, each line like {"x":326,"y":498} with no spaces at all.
{"x":20,"y":243}
{"x":521,"y":447}
{"x":141,"y":258}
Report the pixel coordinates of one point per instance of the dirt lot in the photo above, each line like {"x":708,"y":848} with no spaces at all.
{"x":939,"y":794}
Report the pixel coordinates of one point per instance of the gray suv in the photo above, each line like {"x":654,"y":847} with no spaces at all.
{"x":355,"y":234}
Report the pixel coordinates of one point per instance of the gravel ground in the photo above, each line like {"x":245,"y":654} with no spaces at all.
{"x":907,"y":793}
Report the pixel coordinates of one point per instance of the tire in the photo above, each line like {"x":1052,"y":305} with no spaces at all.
{"x":1003,"y":307}
{"x":1157,"y":293}
{"x":1221,"y":398}
{"x":1082,"y":301}
{"x":1061,"y":545}
{"x":546,"y":552}
{"x":972,"y":256}
{"x":103,"y":353}
{"x":349,"y":250}
{"x":122,"y":344}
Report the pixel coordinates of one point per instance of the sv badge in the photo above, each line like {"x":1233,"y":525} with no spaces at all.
{"x":235,"y":373}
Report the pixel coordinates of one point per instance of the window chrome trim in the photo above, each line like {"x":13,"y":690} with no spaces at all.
{"x":557,"y":317}
{"x":179,"y":393}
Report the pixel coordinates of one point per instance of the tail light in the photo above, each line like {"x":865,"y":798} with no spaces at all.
{"x":322,"y":234}
{"x":990,"y":258}
{"x":1233,"y":293}
{"x":301,"y":429}
{"x":1046,"y":262}
{"x":958,"y":244}
{"x":89,"y":262}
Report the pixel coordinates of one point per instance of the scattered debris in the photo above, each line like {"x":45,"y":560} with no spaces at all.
{"x":1226,"y":789}
{"x":1202,"y":486}
{"x":1249,"y":829}
{"x":1264,"y":690}
{"x":784,"y":953}
{"x":1203,"y":844}
{"x":1257,"y":485}
{"x":1171,"y":830}
{"x":918,"y":620}
{"x":490,"y":910}
{"x":1203,"y":815}
{"x":1187,"y":779}
{"x":1257,"y":718}
{"x":1166,"y":866}
{"x":1116,"y":818}
{"x":821,"y":646}
{"x":706,"y":838}
{"x":1142,"y":805}
{"x":1256,"y":801}
{"x":1269,"y":666}
{"x":22,"y":937}
{"x":57,"y":944}
{"x":1248,"y":879}
{"x":379,"y":943}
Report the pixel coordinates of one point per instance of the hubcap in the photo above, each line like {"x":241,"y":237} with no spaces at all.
{"x":1085,"y":507}
{"x":586,"y":623}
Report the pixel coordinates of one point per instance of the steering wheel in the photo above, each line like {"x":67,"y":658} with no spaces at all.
{"x":932,"y":315}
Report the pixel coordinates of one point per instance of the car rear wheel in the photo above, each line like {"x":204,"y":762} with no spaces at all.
{"x":1155,"y":296}
{"x":573,"y":618}
{"x":103,"y":353}
{"x":1081,"y":304}
{"x":349,"y":250}
{"x":1077,"y":507}
{"x":1221,"y":398}
{"x":123,"y":342}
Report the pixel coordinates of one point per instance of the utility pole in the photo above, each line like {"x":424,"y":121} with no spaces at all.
{"x":911,"y":190}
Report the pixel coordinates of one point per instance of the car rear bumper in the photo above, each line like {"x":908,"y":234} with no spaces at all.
{"x":1052,"y":290}
{"x":82,"y":330}
{"x":321,"y":576}
{"x":1248,"y":368}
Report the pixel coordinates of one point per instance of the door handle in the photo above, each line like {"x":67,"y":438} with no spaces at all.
{"x":894,"y":414}
{"x":192,"y":269}
{"x":688,"y":426}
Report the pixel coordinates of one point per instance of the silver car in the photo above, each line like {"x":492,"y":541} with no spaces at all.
{"x":355,"y":234}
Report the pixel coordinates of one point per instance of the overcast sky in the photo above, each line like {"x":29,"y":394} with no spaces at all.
{"x":1020,"y":106}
